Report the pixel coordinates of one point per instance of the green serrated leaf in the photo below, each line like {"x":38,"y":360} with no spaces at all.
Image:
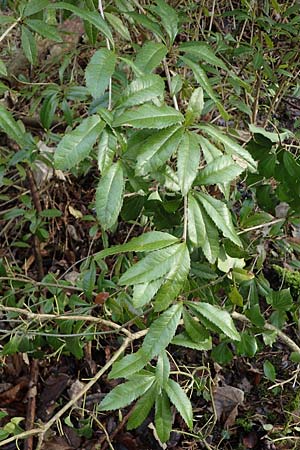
{"x":184,"y":340}
{"x":157,"y":149}
{"x":29,"y":45}
{"x":220,"y":215}
{"x":142,"y":408}
{"x":202,"y":231}
{"x":148,"y":23}
{"x":109,"y":195}
{"x":147,"y":242}
{"x":230,"y":146}
{"x":193,"y":328}
{"x":187,"y":161}
{"x":141,"y":90}
{"x":3,"y":70}
{"x":106,"y":150}
{"x":128,"y":365}
{"x":76,"y":145}
{"x":44,"y":29}
{"x":150,"y":56}
{"x":182,"y":403}
{"x":92,"y":17}
{"x":118,"y":25}
{"x":34,"y":6}
{"x":126,"y":393}
{"x":143,"y":293}
{"x":99,"y":71}
{"x":163,"y":417}
{"x":175,"y":279}
{"x":153,"y":266}
{"x":10,"y":126}
{"x":149,"y":116}
{"x":220,"y":170}
{"x":162,"y":331}
{"x":203,"y":52}
{"x":218,"y":317}
{"x":48,"y":110}
{"x":196,"y":103}
{"x":203,"y":80}
{"x":162,"y":370}
{"x":169,"y":18}
{"x":269,"y":371}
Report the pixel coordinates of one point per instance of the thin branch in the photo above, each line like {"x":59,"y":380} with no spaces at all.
{"x":282,"y":336}
{"x":167,"y":72}
{"x":9,"y":29}
{"x":42,"y":430}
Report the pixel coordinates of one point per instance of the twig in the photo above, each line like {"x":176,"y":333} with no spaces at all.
{"x":9,"y":29}
{"x":31,"y":406}
{"x":282,"y":336}
{"x":167,"y":72}
{"x":257,"y":227}
{"x":42,"y":430}
{"x":38,"y":207}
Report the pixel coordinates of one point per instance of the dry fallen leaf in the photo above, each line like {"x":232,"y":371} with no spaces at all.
{"x":227,"y":399}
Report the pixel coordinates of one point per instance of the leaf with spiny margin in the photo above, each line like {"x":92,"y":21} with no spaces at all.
{"x":142,"y":408}
{"x":150,"y":55}
{"x":128,"y":365}
{"x":76,"y":145}
{"x":126,"y":393}
{"x":99,"y":71}
{"x":204,"y":52}
{"x":149,"y":116}
{"x":218,"y":317}
{"x":220,"y":215}
{"x":163,"y":417}
{"x":231,"y":147}
{"x":141,"y":90}
{"x":220,"y":170}
{"x":180,"y":400}
{"x":143,"y":293}
{"x":162,"y":331}
{"x":157,"y":149}
{"x":10,"y":126}
{"x":175,"y":279}
{"x":202,"y":232}
{"x":109,"y":195}
{"x":146,"y":242}
{"x":155,"y":265}
{"x":188,"y":159}
{"x":203,"y":80}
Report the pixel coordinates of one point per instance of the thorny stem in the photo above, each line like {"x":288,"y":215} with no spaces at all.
{"x":100,"y":7}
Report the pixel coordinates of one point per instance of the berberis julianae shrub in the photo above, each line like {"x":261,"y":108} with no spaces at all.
{"x":159,"y":162}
